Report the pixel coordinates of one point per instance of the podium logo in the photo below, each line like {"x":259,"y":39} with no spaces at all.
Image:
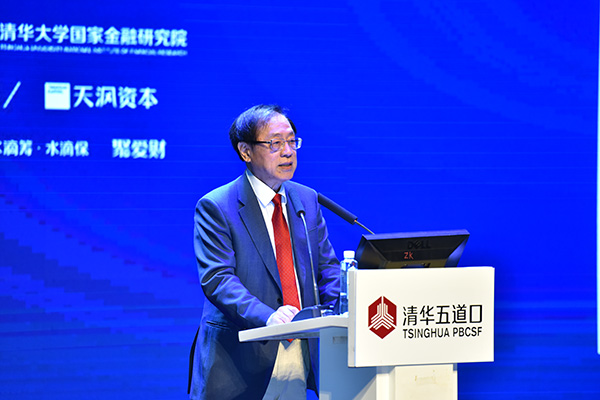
{"x":382,"y":317}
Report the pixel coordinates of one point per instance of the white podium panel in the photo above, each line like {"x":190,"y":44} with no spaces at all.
{"x":417,"y":382}
{"x":421,"y":316}
{"x":406,"y":329}
{"x":308,"y":328}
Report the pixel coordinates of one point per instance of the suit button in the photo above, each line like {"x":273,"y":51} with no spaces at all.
{"x":279,"y":301}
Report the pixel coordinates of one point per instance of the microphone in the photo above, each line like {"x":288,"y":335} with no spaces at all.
{"x":317,"y":310}
{"x":340,"y":211}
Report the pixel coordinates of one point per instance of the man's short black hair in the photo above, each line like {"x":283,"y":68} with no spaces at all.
{"x":246,"y":125}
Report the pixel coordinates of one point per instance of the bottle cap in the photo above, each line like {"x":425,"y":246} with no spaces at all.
{"x":349,"y":254}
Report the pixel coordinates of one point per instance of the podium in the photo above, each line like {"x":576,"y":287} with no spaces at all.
{"x":404,"y":334}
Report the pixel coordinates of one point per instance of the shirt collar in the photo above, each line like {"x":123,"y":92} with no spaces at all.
{"x":264,"y":193}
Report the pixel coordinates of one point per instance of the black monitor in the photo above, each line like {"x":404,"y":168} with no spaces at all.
{"x":411,"y":249}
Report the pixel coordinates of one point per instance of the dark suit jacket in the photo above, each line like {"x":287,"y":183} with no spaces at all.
{"x":239,"y":277}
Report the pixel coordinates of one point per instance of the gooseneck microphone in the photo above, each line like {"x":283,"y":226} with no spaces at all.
{"x":317,"y":310}
{"x":340,"y":211}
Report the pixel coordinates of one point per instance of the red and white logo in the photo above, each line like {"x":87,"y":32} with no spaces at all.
{"x":382,"y":317}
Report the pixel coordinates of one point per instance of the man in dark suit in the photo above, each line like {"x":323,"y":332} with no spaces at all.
{"x":240,"y":245}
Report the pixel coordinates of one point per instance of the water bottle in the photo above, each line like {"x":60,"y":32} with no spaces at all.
{"x":348,"y":264}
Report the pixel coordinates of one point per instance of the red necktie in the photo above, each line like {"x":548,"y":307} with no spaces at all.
{"x":285,"y":260}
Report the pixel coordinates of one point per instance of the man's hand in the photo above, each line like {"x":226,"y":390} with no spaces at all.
{"x":284,"y":314}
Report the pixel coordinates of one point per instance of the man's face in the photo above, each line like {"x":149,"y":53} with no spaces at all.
{"x":273,"y":168}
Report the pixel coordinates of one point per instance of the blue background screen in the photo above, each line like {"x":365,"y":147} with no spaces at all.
{"x":415,"y":115}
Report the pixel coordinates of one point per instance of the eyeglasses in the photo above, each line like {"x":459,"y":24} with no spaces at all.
{"x":277,"y":144}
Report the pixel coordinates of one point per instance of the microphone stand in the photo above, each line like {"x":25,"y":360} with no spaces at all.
{"x":318,"y":310}
{"x":341,"y":211}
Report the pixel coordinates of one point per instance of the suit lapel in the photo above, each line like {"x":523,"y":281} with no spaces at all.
{"x":252,"y":218}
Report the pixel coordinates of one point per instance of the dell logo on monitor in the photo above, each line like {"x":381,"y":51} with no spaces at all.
{"x":419,"y":244}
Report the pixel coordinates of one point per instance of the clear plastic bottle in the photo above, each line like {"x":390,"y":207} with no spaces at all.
{"x":347,"y":264}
